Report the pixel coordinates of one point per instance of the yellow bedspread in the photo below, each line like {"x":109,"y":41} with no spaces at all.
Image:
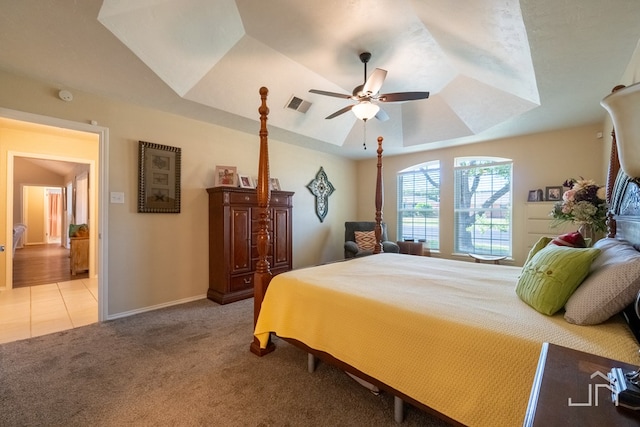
{"x":452,"y":335}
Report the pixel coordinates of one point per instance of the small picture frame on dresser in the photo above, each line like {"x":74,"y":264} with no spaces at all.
{"x":274,"y":184}
{"x":245,"y":181}
{"x":533,"y":196}
{"x":225,"y":176}
{"x":553,"y":194}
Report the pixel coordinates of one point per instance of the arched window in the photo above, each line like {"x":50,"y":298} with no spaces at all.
{"x":482,"y":205}
{"x":419,"y":204}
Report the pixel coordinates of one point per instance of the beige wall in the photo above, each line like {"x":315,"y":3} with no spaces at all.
{"x":540,"y":160}
{"x":34,"y":215}
{"x":157,"y":259}
{"x":27,"y":173}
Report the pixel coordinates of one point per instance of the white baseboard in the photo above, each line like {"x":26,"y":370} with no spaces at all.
{"x":154,"y":307}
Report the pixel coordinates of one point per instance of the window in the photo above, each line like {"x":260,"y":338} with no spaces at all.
{"x":419,"y":204}
{"x":482,"y":205}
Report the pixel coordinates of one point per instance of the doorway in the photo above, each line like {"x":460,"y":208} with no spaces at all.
{"x":42,"y":255}
{"x":69,"y":145}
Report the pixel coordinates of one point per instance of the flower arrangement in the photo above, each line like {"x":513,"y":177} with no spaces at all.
{"x":583,"y":204}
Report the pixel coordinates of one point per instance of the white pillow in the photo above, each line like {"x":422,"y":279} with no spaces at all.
{"x":612,"y":285}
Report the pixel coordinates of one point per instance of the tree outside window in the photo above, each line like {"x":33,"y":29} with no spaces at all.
{"x":483,"y":206}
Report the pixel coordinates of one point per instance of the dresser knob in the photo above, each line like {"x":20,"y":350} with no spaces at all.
{"x":246,"y":198}
{"x":247,"y":280}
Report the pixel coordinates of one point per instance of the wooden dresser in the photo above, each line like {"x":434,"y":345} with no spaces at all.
{"x":233,"y":228}
{"x":79,"y":254}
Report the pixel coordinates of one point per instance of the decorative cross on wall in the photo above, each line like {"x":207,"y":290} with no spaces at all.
{"x":322,"y":189}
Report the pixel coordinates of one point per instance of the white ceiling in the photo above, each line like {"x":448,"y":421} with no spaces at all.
{"x":494,"y":68}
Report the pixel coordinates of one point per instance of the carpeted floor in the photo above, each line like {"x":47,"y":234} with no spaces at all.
{"x":187,"y":365}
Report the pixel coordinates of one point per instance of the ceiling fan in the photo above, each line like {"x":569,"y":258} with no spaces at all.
{"x":367,"y":95}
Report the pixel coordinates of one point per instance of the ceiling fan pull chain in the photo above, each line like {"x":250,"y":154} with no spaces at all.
{"x":364,"y":142}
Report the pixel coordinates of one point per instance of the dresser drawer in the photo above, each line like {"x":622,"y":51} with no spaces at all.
{"x":243,"y":198}
{"x":238,"y":283}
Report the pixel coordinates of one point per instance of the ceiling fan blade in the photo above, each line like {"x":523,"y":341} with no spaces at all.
{"x":382,"y":115}
{"x":374,"y":82}
{"x":334,"y":94}
{"x":341,"y":111}
{"x":402,"y":96}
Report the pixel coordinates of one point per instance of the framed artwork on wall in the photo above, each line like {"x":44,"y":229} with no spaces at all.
{"x":158,"y":178}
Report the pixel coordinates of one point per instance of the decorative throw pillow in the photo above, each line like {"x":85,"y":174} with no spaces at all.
{"x":366,"y":240}
{"x":612,"y":285}
{"x":552,"y":275}
{"x":540,"y":244}
{"x":572,"y":240}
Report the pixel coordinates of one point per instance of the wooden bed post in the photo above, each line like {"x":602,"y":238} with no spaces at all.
{"x":262,"y":276}
{"x":379,"y":199}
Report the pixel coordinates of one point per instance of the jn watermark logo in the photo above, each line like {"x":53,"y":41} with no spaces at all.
{"x":594,"y":390}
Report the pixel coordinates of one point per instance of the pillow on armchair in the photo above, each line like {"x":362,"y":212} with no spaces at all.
{"x":365,"y":229}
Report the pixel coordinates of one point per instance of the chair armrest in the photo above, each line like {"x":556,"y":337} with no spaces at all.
{"x":389,"y":246}
{"x":350,"y":249}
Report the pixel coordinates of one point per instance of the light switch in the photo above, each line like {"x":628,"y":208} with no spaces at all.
{"x":117,"y":197}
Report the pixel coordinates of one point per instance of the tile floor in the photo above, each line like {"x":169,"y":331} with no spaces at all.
{"x":44,"y":309}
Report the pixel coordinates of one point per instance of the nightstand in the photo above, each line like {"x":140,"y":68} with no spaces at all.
{"x":560,"y":395}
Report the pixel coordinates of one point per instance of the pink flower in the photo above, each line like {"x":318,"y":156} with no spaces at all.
{"x":568,"y":195}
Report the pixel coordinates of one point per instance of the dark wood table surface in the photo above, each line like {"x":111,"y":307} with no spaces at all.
{"x":560,"y":393}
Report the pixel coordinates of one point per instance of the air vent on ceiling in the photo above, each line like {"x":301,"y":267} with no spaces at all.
{"x":298,"y":104}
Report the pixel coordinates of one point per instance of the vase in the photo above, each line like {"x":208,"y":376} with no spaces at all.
{"x":587,"y":233}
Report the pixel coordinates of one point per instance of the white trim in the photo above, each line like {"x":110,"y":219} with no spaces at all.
{"x":155,"y":307}
{"x":103,"y":206}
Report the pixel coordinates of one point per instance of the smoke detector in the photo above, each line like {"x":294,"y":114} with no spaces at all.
{"x":65,"y":95}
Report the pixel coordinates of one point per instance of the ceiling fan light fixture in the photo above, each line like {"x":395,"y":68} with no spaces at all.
{"x":365,"y":110}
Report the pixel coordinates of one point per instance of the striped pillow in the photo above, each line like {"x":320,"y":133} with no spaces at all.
{"x":366,"y":240}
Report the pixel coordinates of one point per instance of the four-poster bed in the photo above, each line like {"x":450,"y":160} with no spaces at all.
{"x":449,"y":337}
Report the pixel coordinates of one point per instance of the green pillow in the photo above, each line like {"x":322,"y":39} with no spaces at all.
{"x":540,"y":244}
{"x":552,"y":275}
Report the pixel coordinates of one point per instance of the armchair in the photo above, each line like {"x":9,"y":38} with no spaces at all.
{"x":351,"y":249}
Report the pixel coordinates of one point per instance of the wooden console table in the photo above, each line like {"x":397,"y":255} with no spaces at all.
{"x":565,"y":374}
{"x":79,"y":254}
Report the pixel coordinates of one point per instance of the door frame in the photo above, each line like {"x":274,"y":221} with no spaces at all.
{"x":101,"y":234}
